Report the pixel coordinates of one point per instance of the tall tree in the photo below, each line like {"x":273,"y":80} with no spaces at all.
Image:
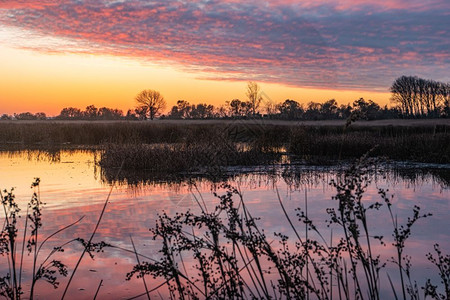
{"x":329,"y":109}
{"x":254,"y":96}
{"x":290,"y":109}
{"x":367,"y":110}
{"x":239,"y":108}
{"x":419,"y":97}
{"x":150,"y":101}
{"x":313,"y":111}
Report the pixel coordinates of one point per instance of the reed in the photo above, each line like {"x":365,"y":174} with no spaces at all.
{"x":173,"y":159}
{"x":314,"y":141}
{"x":415,"y":144}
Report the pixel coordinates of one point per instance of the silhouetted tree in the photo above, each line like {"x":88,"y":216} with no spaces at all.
{"x":105,"y":113}
{"x":181,"y":111}
{"x":270,"y":108}
{"x":344,"y":111}
{"x":41,"y":116}
{"x":444,"y":93}
{"x":389,"y":113}
{"x":131,"y":115}
{"x":202,"y":111}
{"x":222,"y":112}
{"x":152,"y":101}
{"x":329,"y":109}
{"x":254,"y":96}
{"x":6,"y":117}
{"x":25,"y":116}
{"x":91,"y":112}
{"x":313,"y":111}
{"x":367,"y":110}
{"x":184,"y":109}
{"x":236,"y":107}
{"x":70,"y":113}
{"x":174,"y":113}
{"x":239,"y":108}
{"x":415,"y":96}
{"x":290,"y":110}
{"x":141,"y":113}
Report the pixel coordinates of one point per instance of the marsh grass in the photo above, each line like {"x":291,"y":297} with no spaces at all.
{"x":213,"y":149}
{"x":232,"y":257}
{"x":210,"y":158}
{"x":424,"y":142}
{"x":401,"y":143}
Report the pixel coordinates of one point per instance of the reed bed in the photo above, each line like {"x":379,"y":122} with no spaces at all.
{"x":301,"y":144}
{"x":97,"y":133}
{"x":422,"y":141}
{"x":397,"y":144}
{"x":173,"y":160}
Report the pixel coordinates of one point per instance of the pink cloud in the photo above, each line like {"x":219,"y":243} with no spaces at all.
{"x":281,"y":41}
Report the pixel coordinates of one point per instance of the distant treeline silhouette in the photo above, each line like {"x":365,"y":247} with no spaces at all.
{"x":417,"y":97}
{"x":412,"y":97}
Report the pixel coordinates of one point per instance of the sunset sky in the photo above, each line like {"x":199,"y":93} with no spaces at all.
{"x":55,"y":54}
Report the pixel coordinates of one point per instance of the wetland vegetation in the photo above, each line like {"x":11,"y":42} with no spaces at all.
{"x":240,"y":141}
{"x":221,"y":249}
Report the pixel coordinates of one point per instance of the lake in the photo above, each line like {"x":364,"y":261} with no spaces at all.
{"x":74,"y":186}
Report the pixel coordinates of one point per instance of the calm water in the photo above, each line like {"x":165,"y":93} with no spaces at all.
{"x":73,"y":186}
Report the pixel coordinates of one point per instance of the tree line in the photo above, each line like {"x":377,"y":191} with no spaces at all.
{"x":71,"y":113}
{"x":417,"y":97}
{"x":412,"y":97}
{"x":234,"y":109}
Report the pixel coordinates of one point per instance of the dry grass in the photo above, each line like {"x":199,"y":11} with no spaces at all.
{"x":389,"y":122}
{"x":418,"y":140}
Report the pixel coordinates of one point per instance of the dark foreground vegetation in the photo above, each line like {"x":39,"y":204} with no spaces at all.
{"x":235,"y":258}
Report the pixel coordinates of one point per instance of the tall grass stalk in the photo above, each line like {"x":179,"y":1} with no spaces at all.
{"x":88,"y":245}
{"x":138,"y":261}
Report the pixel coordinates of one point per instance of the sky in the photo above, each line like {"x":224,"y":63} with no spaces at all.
{"x":55,"y":54}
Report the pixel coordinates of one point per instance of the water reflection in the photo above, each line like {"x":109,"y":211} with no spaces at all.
{"x":74,"y":186}
{"x":294,"y":175}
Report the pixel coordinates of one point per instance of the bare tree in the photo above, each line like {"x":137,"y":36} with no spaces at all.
{"x":150,"y":101}
{"x":254,"y":96}
{"x":418,"y":97}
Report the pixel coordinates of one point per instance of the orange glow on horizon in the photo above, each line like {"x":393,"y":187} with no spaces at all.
{"x":35,"y":82}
